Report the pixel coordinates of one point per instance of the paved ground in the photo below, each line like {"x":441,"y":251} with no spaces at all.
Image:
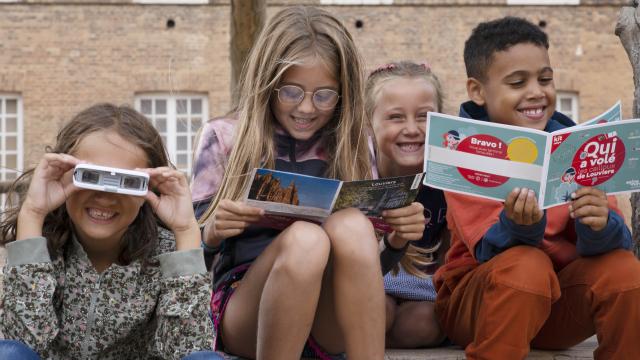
{"x":582,"y":351}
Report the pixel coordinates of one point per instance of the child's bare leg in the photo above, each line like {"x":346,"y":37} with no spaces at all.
{"x":270,"y":314}
{"x":351,"y":312}
{"x":415,"y":326}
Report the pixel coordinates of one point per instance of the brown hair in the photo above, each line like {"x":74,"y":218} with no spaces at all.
{"x":141,"y":238}
{"x":292,"y":35}
{"x":416,"y":257}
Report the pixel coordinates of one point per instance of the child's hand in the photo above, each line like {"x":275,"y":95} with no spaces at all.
{"x":407,"y":224}
{"x":521,"y":207}
{"x":231,"y":218}
{"x":173,"y":206}
{"x":50,"y":185}
{"x":590,"y":207}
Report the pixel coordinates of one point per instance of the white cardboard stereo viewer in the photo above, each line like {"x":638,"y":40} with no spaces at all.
{"x":103,"y":178}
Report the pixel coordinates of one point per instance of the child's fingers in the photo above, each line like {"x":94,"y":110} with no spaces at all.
{"x":224,"y":225}
{"x":510,"y":202}
{"x":222,"y":214}
{"x":588,"y":190}
{"x":530,"y":212}
{"x":588,"y":205}
{"x":596,"y":223}
{"x":589,"y":211}
{"x":410,"y":228}
{"x":153,"y":199}
{"x":240,"y":209}
{"x":405,"y":220}
{"x":409,"y":210}
{"x":518,"y":206}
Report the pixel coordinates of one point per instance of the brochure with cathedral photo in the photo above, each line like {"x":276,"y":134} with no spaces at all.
{"x":489,"y":159}
{"x":288,"y":197}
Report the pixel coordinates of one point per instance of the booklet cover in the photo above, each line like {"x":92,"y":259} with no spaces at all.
{"x":489,"y":159}
{"x":614,"y":113}
{"x":288,"y":197}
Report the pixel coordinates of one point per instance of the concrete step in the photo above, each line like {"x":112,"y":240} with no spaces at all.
{"x":581,"y":351}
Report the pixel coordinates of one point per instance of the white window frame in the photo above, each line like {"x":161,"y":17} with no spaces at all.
{"x":575,"y":104}
{"x":543,"y":2}
{"x":356,"y":2}
{"x":172,"y":116}
{"x":19,"y":134}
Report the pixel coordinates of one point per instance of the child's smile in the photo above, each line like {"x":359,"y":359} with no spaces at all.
{"x":303,"y":120}
{"x":399,"y":122}
{"x":518,"y":89}
{"x":100,"y":219}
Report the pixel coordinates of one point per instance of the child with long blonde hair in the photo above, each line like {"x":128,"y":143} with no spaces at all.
{"x":398,"y":97}
{"x":310,"y":289}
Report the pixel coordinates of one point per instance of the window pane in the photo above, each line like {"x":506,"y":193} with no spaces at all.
{"x":12,"y":124}
{"x":161,"y":125}
{"x":164,"y":140}
{"x":11,"y":175}
{"x":11,"y":161}
{"x":195,"y":124}
{"x":11,"y":143}
{"x":12,"y":106}
{"x":145,"y":106}
{"x":182,"y":125}
{"x":182,"y":161}
{"x":196,"y":106}
{"x":182,"y":143}
{"x":181,"y":106}
{"x":161,"y":107}
{"x":565,"y":104}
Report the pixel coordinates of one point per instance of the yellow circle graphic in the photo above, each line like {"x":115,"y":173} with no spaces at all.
{"x":522,"y":150}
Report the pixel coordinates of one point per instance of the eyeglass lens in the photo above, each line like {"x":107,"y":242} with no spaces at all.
{"x":322,"y":98}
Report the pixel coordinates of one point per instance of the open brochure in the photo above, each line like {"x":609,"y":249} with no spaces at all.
{"x":614,"y":113}
{"x":287,"y":197}
{"x":489,"y":159}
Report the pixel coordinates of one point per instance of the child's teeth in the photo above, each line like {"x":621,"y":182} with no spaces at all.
{"x":533,"y":111}
{"x":409,"y":147}
{"x":99,"y":214}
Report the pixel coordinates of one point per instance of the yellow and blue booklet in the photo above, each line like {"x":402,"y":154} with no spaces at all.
{"x":288,"y":197}
{"x":489,"y":160}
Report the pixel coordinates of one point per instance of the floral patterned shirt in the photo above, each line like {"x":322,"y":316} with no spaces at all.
{"x":65,"y":309}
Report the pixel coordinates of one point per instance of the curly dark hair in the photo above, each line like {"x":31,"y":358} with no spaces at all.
{"x":498,"y":35}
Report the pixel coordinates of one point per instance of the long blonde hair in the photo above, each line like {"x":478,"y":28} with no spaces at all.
{"x":292,"y":35}
{"x":416,"y":257}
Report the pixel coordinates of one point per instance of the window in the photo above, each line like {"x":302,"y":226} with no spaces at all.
{"x":567,"y":103}
{"x":10,"y":140}
{"x":178,"y":119}
{"x":543,"y":2}
{"x":356,"y":2}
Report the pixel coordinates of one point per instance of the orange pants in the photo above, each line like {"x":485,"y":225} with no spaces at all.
{"x":498,"y":309}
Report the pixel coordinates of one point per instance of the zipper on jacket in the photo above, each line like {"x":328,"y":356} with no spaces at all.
{"x":292,"y":155}
{"x":91,"y":316}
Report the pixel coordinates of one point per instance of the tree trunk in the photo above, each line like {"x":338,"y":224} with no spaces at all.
{"x":247,"y":19}
{"x":628,"y":30}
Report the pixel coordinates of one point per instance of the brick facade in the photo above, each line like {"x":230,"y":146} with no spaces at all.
{"x":61,"y":57}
